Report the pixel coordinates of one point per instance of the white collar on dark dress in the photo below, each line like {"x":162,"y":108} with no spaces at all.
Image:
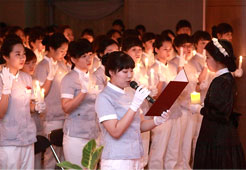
{"x":222,"y":71}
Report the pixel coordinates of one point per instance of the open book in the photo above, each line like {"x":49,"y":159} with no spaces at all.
{"x":169,"y":95}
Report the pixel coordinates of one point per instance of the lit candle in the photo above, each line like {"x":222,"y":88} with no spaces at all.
{"x":37,"y":91}
{"x":194,"y":52}
{"x":204,"y":52}
{"x":240,"y":62}
{"x":42,"y":95}
{"x":181,"y":52}
{"x":138,"y":67}
{"x":195,"y":98}
{"x":146,"y":62}
{"x":152,"y":72}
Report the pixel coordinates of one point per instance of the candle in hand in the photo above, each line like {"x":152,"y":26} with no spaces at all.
{"x":146,"y":62}
{"x":195,"y":98}
{"x":240,"y":62}
{"x":152,"y":72}
{"x":42,"y":95}
{"x":181,"y":52}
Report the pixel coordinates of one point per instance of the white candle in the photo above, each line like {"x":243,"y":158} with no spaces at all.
{"x":240,"y":62}
{"x":194,"y":52}
{"x":37,"y":91}
{"x":181,"y":52}
{"x":152,"y":72}
{"x":204,"y":52}
{"x":195,"y":98}
{"x":42,"y":95}
{"x":138,"y":67}
{"x":146,"y":62}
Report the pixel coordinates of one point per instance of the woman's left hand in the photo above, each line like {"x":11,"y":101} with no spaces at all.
{"x":158,"y":120}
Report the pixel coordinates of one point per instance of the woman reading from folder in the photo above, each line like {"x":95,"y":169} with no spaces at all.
{"x":117,"y":109}
{"x":218,"y":145}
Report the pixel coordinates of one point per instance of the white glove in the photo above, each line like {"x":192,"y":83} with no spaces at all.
{"x":238,"y":72}
{"x":153,"y":91}
{"x":158,"y":120}
{"x":7,"y":79}
{"x":195,"y":108}
{"x":84,"y":82}
{"x":40,"y":107}
{"x":53,"y":69}
{"x":140,"y":94}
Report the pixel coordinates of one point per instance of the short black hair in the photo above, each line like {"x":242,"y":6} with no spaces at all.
{"x":222,"y":28}
{"x":130,"y":42}
{"x":182,"y":39}
{"x":140,"y":27}
{"x":14,"y":29}
{"x":167,"y":32}
{"x":77,"y":48}
{"x":55,"y":41}
{"x":229,"y":60}
{"x":148,"y":36}
{"x":104,"y":44}
{"x":159,"y":41}
{"x":201,"y":35}
{"x":51,"y":29}
{"x":35,"y":34}
{"x":30,"y":55}
{"x":118,"y":22}
{"x":117,"y":61}
{"x":111,"y":32}
{"x":87,"y":31}
{"x":183,"y":23}
{"x":8,"y":43}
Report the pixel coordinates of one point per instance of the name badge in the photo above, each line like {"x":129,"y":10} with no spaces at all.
{"x":28,"y":90}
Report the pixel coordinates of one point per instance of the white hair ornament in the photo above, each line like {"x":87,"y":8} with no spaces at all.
{"x":219,"y":46}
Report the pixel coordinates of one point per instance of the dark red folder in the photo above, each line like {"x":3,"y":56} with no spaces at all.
{"x":169,"y":95}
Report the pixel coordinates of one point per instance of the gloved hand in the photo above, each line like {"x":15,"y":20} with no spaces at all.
{"x":158,"y":120}
{"x":84,"y":82}
{"x":40,"y":107}
{"x":7,"y":79}
{"x":140,"y":94}
{"x":53,"y":69}
{"x":195,"y":108}
{"x":238,"y":72}
{"x":153,"y":91}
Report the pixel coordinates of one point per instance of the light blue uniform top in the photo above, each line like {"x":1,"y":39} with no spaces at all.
{"x":54,"y":110}
{"x":17,"y":128}
{"x":113,"y":103}
{"x":82,"y":122}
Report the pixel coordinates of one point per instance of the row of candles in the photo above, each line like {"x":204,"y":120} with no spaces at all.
{"x":194,"y":96}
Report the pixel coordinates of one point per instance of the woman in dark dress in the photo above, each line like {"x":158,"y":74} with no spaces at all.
{"x":218,"y":145}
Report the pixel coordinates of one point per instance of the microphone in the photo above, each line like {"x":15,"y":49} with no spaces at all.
{"x":134,"y":85}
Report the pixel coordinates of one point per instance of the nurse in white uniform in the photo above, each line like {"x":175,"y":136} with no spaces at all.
{"x":78,"y":95}
{"x":49,"y":72}
{"x":118,"y":113}
{"x":17,"y":128}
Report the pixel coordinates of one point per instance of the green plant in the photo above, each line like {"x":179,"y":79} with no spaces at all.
{"x":91,"y":156}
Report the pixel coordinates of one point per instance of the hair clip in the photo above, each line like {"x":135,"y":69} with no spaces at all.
{"x":219,"y":46}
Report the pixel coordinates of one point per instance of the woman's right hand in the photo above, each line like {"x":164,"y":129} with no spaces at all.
{"x":140,"y":94}
{"x":7,"y":79}
{"x":52,"y":70}
{"x":84,"y":82}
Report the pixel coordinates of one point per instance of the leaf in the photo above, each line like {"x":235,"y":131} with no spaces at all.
{"x":95,"y":157}
{"x":68,"y":165}
{"x":87,"y":153}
